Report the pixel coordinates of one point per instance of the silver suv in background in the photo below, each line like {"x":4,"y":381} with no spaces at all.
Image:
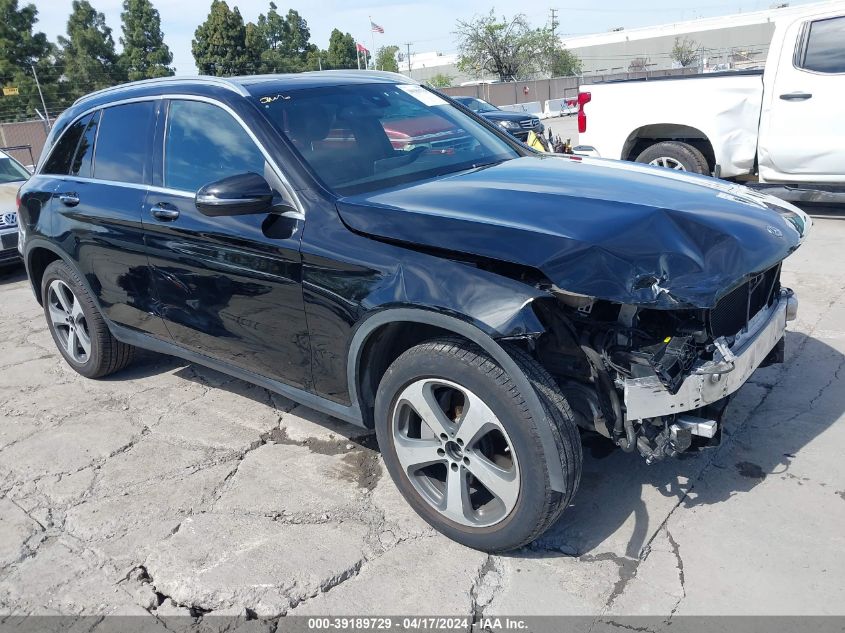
{"x":12,"y":176}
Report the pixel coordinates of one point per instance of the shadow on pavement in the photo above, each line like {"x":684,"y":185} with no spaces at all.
{"x":618,"y":488}
{"x":11,"y":273}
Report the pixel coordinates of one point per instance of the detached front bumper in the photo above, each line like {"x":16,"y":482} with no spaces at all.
{"x":648,"y":398}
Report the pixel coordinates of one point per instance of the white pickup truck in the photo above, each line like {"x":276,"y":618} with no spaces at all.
{"x":783,"y":126}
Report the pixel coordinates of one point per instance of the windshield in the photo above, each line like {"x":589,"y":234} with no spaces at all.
{"x":361,"y":138}
{"x":11,"y":171}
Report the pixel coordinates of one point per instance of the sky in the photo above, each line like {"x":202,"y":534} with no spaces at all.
{"x":428,"y":26}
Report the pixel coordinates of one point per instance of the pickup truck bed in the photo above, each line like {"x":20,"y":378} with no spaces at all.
{"x":726,"y":106}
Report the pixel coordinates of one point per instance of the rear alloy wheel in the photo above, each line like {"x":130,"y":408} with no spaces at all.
{"x":77,"y":327}
{"x":463,"y":446}
{"x":68,"y":322}
{"x":675,"y":155}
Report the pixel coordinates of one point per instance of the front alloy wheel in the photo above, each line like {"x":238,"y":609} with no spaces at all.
{"x":463,"y":446}
{"x":455,"y":452}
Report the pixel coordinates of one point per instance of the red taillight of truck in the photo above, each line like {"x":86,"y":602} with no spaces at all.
{"x":583,"y":99}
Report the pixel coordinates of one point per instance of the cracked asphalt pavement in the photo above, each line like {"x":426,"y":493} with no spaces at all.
{"x":171,"y":489}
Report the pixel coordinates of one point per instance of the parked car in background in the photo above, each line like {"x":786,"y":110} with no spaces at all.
{"x":518,"y":124}
{"x":782,"y":126}
{"x":474,"y":303}
{"x":12,"y":176}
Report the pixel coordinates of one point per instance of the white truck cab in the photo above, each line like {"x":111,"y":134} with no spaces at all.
{"x":781,"y":125}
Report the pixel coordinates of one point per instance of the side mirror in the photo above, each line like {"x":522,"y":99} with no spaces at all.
{"x":243,"y":194}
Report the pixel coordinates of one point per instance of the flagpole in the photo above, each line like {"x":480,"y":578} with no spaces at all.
{"x":358,"y":55}
{"x":373,"y":34}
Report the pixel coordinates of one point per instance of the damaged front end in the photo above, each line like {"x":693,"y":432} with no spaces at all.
{"x":657,"y":380}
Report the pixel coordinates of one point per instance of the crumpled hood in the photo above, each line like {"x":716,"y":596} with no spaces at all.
{"x":612,"y":230}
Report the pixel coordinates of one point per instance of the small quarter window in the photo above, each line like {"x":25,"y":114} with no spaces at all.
{"x":205,"y":143}
{"x":825,"y":47}
{"x":62,"y":154}
{"x":123,"y":142}
{"x":82,"y":162}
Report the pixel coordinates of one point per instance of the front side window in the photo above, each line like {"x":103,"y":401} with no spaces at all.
{"x":371,"y":136}
{"x":62,"y":152}
{"x":123,"y":142}
{"x":11,"y":170}
{"x":825,"y":48}
{"x":203,"y":144}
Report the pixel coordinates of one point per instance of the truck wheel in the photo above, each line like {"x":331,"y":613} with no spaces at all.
{"x":77,"y":326}
{"x":463,"y":447}
{"x":675,"y":155}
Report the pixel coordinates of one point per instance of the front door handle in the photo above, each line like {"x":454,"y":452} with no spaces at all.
{"x":165,"y":212}
{"x":796,"y":96}
{"x":69,"y":199}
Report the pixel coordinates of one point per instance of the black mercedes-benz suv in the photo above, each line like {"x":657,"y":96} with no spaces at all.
{"x":518,"y":124}
{"x":471,"y":300}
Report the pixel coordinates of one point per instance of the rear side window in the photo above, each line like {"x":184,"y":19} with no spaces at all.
{"x":62,"y":154}
{"x":83,"y":160}
{"x":123,"y":142}
{"x":205,"y":143}
{"x":825,"y":48}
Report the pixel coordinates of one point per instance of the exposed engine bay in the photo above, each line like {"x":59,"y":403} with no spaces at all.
{"x":657,"y":381}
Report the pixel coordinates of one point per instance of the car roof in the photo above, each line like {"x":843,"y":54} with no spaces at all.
{"x":245,"y":86}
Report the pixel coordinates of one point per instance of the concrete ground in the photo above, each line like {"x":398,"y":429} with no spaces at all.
{"x":566,"y":127}
{"x":172,"y":489}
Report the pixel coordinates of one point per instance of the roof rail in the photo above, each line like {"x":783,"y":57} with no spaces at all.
{"x":202,"y":79}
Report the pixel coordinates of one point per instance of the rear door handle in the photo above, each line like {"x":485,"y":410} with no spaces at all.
{"x":69,"y":199}
{"x":165,"y":212}
{"x":796,"y":96}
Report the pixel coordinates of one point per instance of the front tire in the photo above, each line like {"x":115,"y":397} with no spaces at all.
{"x":675,"y":155}
{"x":463,"y":448}
{"x":77,"y":327}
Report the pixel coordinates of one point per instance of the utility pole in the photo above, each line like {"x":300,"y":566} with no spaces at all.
{"x":553,"y":13}
{"x":408,"y":47}
{"x":41,"y":94}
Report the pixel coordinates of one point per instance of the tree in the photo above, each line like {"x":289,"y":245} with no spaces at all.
{"x":219,"y":44}
{"x":509,"y":48}
{"x":145,"y":55}
{"x":280,"y":43}
{"x":440,"y":81}
{"x":684,"y":52}
{"x":638,"y":65}
{"x":564,"y":63}
{"x":341,"y":52}
{"x":386,"y":59}
{"x":21,"y":48}
{"x":87,"y":56}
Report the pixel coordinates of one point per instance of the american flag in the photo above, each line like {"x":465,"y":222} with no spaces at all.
{"x":376,"y":28}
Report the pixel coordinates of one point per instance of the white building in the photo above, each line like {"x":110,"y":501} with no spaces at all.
{"x":424,"y":66}
{"x":739,"y":40}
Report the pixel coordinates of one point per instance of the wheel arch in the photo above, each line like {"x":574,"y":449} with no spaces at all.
{"x":379,"y":339}
{"x":38,"y":255}
{"x":647,"y":135}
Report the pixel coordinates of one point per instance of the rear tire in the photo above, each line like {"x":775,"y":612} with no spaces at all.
{"x":463,"y":448}
{"x":77,"y":327}
{"x":675,"y":155}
